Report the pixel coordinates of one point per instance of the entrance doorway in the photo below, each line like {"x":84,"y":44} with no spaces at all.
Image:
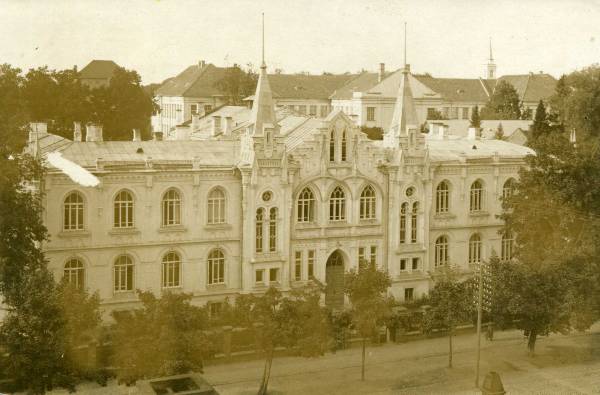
{"x":334,"y":277}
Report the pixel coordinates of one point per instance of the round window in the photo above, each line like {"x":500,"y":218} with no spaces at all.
{"x":410,"y":191}
{"x":266,"y":196}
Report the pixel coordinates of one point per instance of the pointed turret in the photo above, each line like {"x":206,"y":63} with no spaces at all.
{"x":404,"y":111}
{"x":491,"y":66}
{"x":263,"y":107}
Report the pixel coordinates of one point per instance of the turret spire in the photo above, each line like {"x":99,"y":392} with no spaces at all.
{"x":491,"y":66}
{"x":263,"y":65}
{"x":405,"y":45}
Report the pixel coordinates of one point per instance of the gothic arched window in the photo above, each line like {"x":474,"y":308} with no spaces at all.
{"x":368,"y":203}
{"x":306,"y":205}
{"x":337,"y":205}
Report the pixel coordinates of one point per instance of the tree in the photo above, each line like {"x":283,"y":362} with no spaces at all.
{"x":451,"y":302}
{"x":503,"y":104}
{"x":499,"y":134}
{"x":540,"y":122}
{"x":238,"y":83}
{"x":366,"y":288}
{"x":475,"y":119}
{"x":434,"y":114}
{"x":13,"y":117}
{"x":165,"y":337}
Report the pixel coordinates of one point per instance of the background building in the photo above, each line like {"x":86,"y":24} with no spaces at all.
{"x":97,"y":73}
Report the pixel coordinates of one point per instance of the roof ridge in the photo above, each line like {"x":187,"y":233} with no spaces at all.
{"x":202,"y":72}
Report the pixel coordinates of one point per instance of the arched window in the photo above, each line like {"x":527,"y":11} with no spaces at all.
{"x":216,"y":267}
{"x":403,"y":218}
{"x":273,"y":229}
{"x":343,"y":148}
{"x":506,"y":253}
{"x":260,"y":217}
{"x":441,"y":251}
{"x":475,"y":249}
{"x":414,"y":222}
{"x":306,"y":206}
{"x":337,"y":205}
{"x":441,"y":197}
{"x":171,"y":270}
{"x":332,"y":146}
{"x":368,"y":202}
{"x":476,"y":202}
{"x":74,"y":273}
{"x":216,"y":206}
{"x":123,"y":210}
{"x":509,"y":188}
{"x":123,"y":274}
{"x":73,"y":212}
{"x":171,"y":208}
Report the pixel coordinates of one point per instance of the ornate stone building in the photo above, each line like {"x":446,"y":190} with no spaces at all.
{"x":274,"y":198}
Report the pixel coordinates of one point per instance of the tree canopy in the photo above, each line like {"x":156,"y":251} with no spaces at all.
{"x":504,"y":103}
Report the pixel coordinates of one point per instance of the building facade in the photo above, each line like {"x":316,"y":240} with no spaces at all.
{"x":276,"y":198}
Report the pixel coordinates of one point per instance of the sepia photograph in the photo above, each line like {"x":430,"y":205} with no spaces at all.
{"x":299,"y":197}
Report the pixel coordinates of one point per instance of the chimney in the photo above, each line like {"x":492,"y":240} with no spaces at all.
{"x":93,"y":132}
{"x":472,"y":133}
{"x":201,"y":64}
{"x":227,"y":125}
{"x":157,"y":135}
{"x":76,"y":131}
{"x":216,"y":125}
{"x":442,"y":131}
{"x":37,"y":130}
{"x":381,"y":71}
{"x":137,"y":135}
{"x":75,"y":68}
{"x":182,"y":133}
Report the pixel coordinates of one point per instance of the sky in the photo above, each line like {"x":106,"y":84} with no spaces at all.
{"x":160,"y":38}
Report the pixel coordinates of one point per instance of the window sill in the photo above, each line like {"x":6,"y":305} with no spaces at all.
{"x":218,"y":227}
{"x":444,"y":216}
{"x":479,"y":214}
{"x":173,"y":289}
{"x":74,"y":233}
{"x":368,"y":222}
{"x":306,"y":225}
{"x":339,"y":223}
{"x":124,"y":231}
{"x":124,"y":295}
{"x":267,"y":257}
{"x":172,"y":228}
{"x":216,"y":287}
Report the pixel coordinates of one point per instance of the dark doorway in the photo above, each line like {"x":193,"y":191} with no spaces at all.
{"x":334,"y":277}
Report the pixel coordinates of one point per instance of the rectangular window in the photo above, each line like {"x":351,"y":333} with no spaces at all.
{"x":324,"y":111}
{"x":446,"y":112}
{"x":453,"y":113}
{"x":432,"y":113}
{"x":298,"y":266}
{"x":402,"y":265}
{"x":370,"y":113}
{"x":302,"y":109}
{"x":465,"y":113}
{"x":415,"y":264}
{"x":194,"y":109}
{"x":408,"y":294}
{"x":215,"y":308}
{"x":373,"y":255}
{"x":312,"y":110}
{"x":361,"y":255}
{"x":311,"y":264}
{"x":367,"y":255}
{"x":207,"y":108}
{"x":259,"y":276}
{"x":273,"y":275}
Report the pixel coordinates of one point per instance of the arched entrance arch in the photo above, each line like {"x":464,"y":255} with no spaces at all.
{"x":334,"y":277}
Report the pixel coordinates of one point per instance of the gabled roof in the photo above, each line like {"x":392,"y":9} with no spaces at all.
{"x":360,"y":83}
{"x":195,"y":81}
{"x":456,"y":89}
{"x":532,"y":87}
{"x":98,"y":69}
{"x":302,"y":86}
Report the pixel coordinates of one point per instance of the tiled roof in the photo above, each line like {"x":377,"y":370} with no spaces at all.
{"x":456,"y":89}
{"x":360,"y":83}
{"x":195,"y":81}
{"x":98,"y":69}
{"x":205,"y":153}
{"x":532,"y":87}
{"x":301,"y":86}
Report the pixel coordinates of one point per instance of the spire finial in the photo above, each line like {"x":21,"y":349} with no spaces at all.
{"x":405,"y":45}
{"x":491,"y":56}
{"x":264,"y":65}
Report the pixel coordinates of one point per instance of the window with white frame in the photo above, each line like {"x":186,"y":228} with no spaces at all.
{"x":259,"y":276}
{"x":442,"y":197}
{"x":506,"y":252}
{"x":298,"y":266}
{"x":216,"y":207}
{"x":123,"y":210}
{"x":74,"y":273}
{"x":337,"y":205}
{"x":476,"y":200}
{"x":216,"y":267}
{"x":73,"y":212}
{"x":260,"y":217}
{"x":171,"y":270}
{"x":416,"y":264}
{"x":475,"y":249}
{"x":171,"y":208}
{"x":408,"y":294}
{"x":306,"y":205}
{"x":414,"y":220}
{"x":273,"y":229}
{"x":441,"y":251}
{"x":123,"y":274}
{"x":370,"y":113}
{"x":368,"y":201}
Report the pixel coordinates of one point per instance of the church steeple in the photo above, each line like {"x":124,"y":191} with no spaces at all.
{"x":263,"y":107}
{"x":491,"y":66}
{"x":405,"y":114}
